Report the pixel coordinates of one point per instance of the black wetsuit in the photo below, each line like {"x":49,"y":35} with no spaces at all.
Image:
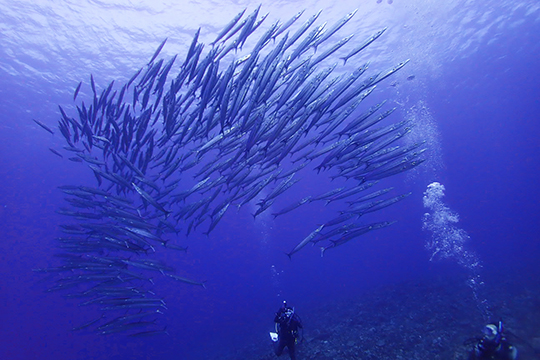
{"x":490,"y":350}
{"x":287,"y":331}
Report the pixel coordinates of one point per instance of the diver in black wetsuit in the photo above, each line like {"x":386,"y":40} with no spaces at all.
{"x":288,"y":325}
{"x":493,"y":345}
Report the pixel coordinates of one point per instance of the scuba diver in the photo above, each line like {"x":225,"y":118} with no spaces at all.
{"x":288,"y":324}
{"x":493,"y":345}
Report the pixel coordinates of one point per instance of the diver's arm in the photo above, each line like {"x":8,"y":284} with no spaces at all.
{"x":298,"y":322}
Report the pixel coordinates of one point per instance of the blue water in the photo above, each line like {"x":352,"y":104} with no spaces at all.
{"x":472,"y":88}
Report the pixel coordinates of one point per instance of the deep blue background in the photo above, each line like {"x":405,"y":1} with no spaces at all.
{"x":478,"y":105}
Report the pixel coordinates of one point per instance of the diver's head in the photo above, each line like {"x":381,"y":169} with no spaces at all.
{"x":289,"y":311}
{"x":491,"y":332}
{"x":284,"y":304}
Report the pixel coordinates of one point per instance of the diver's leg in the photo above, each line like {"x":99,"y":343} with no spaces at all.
{"x":279,"y":347}
{"x":292,"y":350}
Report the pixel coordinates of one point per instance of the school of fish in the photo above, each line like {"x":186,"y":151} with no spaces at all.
{"x":181,"y":143}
